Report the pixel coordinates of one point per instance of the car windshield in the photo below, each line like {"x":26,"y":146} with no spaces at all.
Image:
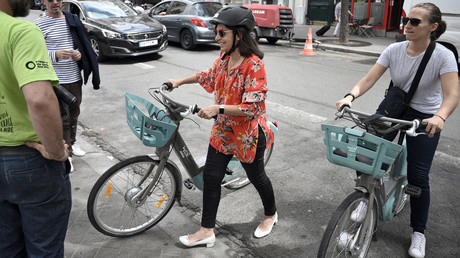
{"x":206,"y":9}
{"x":107,"y":9}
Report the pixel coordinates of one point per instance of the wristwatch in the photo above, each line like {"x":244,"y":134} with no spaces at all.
{"x":221,"y":109}
{"x":350,"y":94}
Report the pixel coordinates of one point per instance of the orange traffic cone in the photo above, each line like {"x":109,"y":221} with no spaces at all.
{"x":308,"y":48}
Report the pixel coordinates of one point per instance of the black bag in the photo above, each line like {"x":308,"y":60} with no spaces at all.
{"x":323,"y":30}
{"x":393,"y":104}
{"x":396,"y":100}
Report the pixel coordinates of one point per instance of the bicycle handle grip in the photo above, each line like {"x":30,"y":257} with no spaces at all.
{"x":168,"y":85}
{"x":423,"y":125}
{"x":197,"y":109}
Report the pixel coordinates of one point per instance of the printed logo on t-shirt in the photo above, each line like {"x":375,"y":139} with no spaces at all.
{"x":6,"y":123}
{"x":37,"y":64}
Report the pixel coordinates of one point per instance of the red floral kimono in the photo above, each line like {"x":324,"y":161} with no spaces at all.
{"x":245,"y":86}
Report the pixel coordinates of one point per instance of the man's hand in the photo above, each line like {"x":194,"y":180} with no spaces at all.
{"x":46,"y":155}
{"x":64,"y":54}
{"x":76,"y":56}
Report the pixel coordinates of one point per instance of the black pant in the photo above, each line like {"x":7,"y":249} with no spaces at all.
{"x":214,"y":172}
{"x":70,"y":119}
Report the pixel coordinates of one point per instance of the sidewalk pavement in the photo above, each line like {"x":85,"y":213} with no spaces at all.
{"x":162,"y":240}
{"x":373,"y":46}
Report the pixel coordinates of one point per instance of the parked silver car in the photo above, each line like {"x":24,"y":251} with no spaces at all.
{"x":187,"y":21}
{"x":117,"y":30}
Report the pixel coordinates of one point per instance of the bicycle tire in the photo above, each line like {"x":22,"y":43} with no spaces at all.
{"x":338,"y":238}
{"x":112,"y":207}
{"x":241,"y":179}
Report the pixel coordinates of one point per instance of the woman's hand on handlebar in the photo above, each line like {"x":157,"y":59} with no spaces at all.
{"x":209,"y":112}
{"x":343,"y":102}
{"x":175,"y":84}
{"x":435,"y":124}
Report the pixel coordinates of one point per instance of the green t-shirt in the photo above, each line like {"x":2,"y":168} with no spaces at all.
{"x":23,"y":59}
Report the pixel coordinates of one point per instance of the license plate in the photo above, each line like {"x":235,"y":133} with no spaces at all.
{"x":148,"y":43}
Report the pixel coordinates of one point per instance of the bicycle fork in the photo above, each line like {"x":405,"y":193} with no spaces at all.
{"x":139,"y":198}
{"x":365,"y":184}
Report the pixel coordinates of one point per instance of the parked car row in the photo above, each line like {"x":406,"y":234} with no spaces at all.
{"x":117,"y":29}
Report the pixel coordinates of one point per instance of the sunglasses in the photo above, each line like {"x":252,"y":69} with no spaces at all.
{"x":50,"y":1}
{"x":221,"y":32}
{"x":413,"y":21}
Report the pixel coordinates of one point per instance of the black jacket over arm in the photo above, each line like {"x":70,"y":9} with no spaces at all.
{"x":80,"y":36}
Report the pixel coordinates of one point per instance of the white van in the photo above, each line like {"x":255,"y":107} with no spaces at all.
{"x":450,"y":10}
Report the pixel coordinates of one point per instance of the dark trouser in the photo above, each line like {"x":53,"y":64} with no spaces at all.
{"x":214,"y":172}
{"x":35,"y":202}
{"x":420,"y":154}
{"x":70,"y":120}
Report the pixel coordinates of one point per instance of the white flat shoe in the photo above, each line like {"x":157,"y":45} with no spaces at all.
{"x":209,"y":242}
{"x":259,"y":233}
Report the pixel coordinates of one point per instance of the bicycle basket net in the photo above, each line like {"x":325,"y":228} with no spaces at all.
{"x":154,"y":129}
{"x":359,"y":150}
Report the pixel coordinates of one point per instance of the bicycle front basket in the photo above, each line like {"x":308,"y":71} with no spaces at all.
{"x":155,"y":129}
{"x":359,"y":150}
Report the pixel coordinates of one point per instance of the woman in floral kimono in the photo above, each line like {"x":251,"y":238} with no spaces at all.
{"x":238,"y":81}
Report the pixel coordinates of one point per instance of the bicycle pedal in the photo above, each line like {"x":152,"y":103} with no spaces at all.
{"x":412,"y":190}
{"x":188,"y":183}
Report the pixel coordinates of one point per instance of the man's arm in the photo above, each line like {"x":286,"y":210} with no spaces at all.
{"x":45,"y":116}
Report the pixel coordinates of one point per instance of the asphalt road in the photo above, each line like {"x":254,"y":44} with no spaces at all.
{"x":302,"y":96}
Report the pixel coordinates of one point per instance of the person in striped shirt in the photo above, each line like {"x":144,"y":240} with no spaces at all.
{"x":70,"y":52}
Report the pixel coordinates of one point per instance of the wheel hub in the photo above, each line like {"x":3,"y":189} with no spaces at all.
{"x":132,"y":197}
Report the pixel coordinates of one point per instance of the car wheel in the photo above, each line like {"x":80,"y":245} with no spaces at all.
{"x":42,"y":7}
{"x":186,"y":40}
{"x":272,"y":40}
{"x":254,"y":35}
{"x":97,"y":49}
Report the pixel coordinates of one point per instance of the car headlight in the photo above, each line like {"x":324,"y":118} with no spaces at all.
{"x":111,"y":34}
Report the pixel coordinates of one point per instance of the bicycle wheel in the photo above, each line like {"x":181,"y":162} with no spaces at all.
{"x":237,"y":176}
{"x":342,"y":234}
{"x":114,"y":207}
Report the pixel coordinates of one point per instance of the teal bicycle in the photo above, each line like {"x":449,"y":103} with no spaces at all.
{"x":381,"y":190}
{"x":137,"y":193}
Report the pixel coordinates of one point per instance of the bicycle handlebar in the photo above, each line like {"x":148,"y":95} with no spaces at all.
{"x":397,"y":124}
{"x":189,"y":109}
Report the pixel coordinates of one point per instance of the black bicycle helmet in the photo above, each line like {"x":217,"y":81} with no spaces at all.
{"x":233,"y":16}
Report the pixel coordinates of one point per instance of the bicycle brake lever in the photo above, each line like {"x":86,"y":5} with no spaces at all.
{"x":187,"y":112}
{"x":412,"y":131}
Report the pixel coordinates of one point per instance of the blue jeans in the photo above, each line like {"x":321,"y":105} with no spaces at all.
{"x":35,"y":203}
{"x":420,"y":154}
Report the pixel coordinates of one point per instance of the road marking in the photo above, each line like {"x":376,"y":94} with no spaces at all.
{"x":297,"y":114}
{"x":144,"y":66}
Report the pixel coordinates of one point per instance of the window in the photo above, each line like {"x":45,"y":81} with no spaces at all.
{"x":178,"y":8}
{"x":161,"y":9}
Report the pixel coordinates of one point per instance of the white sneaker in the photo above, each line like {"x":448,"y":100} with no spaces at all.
{"x":417,"y":247}
{"x":71,"y":165}
{"x":359,"y":213}
{"x":77,"y":151}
